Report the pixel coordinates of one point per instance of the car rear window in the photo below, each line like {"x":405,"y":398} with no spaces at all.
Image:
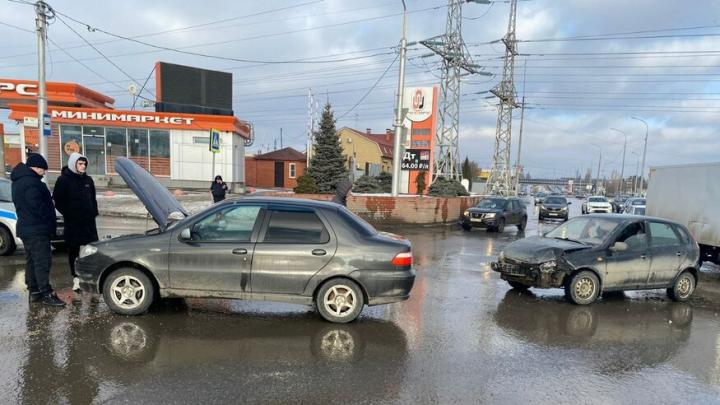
{"x":357,"y":224}
{"x":638,"y":201}
{"x":298,"y":227}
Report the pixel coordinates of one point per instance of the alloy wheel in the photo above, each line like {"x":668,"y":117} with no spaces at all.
{"x":340,"y":300}
{"x":584,"y":288}
{"x":127,"y":292}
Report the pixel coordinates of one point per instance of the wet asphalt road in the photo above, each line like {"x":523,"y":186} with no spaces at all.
{"x":463,"y":337}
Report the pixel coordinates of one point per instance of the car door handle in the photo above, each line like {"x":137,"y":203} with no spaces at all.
{"x":680,"y":253}
{"x":239,"y":251}
{"x":318,"y":252}
{"x":643,"y":257}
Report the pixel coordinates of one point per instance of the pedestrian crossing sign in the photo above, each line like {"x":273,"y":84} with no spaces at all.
{"x":214,"y":141}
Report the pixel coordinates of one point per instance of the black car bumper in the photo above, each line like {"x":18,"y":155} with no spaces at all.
{"x":89,"y":269}
{"x":386,"y":286}
{"x":529,"y":274}
{"x":554,"y":214}
{"x":478,"y":222}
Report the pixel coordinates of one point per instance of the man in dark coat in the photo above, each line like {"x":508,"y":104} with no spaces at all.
{"x":218,"y":189}
{"x":342,"y":189}
{"x":74,"y":196}
{"x":36,"y":224}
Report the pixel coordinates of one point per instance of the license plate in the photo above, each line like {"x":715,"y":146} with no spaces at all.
{"x":475,"y":219}
{"x":552,"y":214}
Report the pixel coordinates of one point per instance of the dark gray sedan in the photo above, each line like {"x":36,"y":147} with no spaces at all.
{"x":274,"y":249}
{"x":597,"y":253}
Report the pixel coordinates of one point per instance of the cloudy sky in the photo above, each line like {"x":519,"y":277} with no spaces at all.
{"x":591,"y":66}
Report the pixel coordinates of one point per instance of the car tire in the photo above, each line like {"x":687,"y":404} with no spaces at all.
{"x":541,"y":218}
{"x":339,"y":300}
{"x":500,"y":226}
{"x":467,"y":228}
{"x":683,"y":287}
{"x":7,"y":242}
{"x":518,"y":286}
{"x":523,"y":224}
{"x":128,"y":291}
{"x":583,"y":288}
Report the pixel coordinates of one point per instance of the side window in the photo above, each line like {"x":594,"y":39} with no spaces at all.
{"x":662,"y":235}
{"x":634,"y":235}
{"x":683,"y":235}
{"x":292,"y":169}
{"x":234,"y":223}
{"x":300,"y":227}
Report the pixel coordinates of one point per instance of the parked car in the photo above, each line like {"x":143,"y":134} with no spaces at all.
{"x":9,"y":241}
{"x":596,"y":204}
{"x":539,"y":197}
{"x":636,"y":210}
{"x":630,"y":202}
{"x":554,"y":207}
{"x":618,"y":202}
{"x":598,"y":253}
{"x":494,"y":213}
{"x":273,"y":249}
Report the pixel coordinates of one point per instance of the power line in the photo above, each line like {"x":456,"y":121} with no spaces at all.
{"x":242,"y":60}
{"x":371,"y":88}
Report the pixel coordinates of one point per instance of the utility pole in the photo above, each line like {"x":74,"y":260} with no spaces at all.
{"x":281,"y":142}
{"x":312,"y":105}
{"x":499,"y":181}
{"x":43,"y":11}
{"x":597,"y":178}
{"x":522,"y":122}
{"x":622,"y":170}
{"x":456,"y":63}
{"x":395,"y":188}
{"x":642,"y":167}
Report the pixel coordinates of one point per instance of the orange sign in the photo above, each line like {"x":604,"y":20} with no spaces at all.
{"x":71,"y":146}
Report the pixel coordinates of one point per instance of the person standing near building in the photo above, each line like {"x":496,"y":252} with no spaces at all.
{"x":74,"y":196}
{"x":218,"y":189}
{"x":36,"y":223}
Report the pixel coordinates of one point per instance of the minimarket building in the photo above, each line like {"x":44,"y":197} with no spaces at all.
{"x":174,"y":147}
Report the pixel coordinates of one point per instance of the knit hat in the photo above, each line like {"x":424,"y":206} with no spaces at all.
{"x":72,"y":161}
{"x":36,"y":160}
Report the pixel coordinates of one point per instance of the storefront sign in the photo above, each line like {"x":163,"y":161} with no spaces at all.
{"x":47,"y":129}
{"x":23,"y":89}
{"x":419,"y":103}
{"x":416,"y":159}
{"x":30,"y":122}
{"x":71,"y":146}
{"x":122,"y":117}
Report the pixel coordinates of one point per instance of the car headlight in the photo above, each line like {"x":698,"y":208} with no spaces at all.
{"x":87,"y":250}
{"x":549,"y":266}
{"x":563,"y":209}
{"x":466,"y":213}
{"x":490,"y":215}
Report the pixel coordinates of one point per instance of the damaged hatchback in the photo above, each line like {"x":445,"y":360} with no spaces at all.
{"x":273,"y":249}
{"x":597,"y":253}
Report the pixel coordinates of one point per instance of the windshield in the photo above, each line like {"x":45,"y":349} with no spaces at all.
{"x":597,"y":199}
{"x":492,"y":203}
{"x":5,"y":191}
{"x":589,"y":231}
{"x":639,"y":201}
{"x":639,"y":211}
{"x":556,"y":200}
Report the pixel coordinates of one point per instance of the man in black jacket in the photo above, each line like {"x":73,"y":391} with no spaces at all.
{"x":36,"y":223}
{"x":74,"y":196}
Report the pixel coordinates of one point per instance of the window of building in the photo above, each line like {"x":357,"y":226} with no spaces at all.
{"x":70,"y":141}
{"x":299,"y":227}
{"x":160,"y":144}
{"x":138,"y":142}
{"x":292,"y":170}
{"x":116,"y":141}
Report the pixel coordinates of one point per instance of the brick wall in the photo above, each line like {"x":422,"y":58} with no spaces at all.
{"x":261,"y":173}
{"x":160,"y":166}
{"x":401,"y":210}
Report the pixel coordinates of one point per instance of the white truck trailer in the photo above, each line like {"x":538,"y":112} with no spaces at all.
{"x":689,"y":194}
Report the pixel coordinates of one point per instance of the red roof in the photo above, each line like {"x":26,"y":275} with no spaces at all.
{"x":386,"y":145}
{"x":284,"y":154}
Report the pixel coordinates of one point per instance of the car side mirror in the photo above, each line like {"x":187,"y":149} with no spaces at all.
{"x":569,"y":202}
{"x":185,"y":234}
{"x":619,"y":247}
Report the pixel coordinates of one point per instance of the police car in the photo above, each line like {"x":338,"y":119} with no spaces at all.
{"x":8,"y":220}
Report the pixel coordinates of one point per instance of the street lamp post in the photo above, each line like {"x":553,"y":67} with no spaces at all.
{"x":637,"y":169}
{"x":399,"y":104}
{"x":597,"y":178}
{"x":642,"y":166}
{"x":622,"y":170}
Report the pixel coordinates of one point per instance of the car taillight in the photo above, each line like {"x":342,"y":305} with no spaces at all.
{"x":402,"y":259}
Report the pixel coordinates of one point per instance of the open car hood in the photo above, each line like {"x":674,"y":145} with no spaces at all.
{"x":156,"y":197}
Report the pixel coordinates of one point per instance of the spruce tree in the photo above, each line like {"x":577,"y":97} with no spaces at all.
{"x":467,"y":172}
{"x":327,"y":165}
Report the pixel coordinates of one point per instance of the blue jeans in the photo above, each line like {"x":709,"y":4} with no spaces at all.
{"x":38,"y":255}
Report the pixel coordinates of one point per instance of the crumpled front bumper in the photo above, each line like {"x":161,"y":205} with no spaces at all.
{"x":529,"y":274}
